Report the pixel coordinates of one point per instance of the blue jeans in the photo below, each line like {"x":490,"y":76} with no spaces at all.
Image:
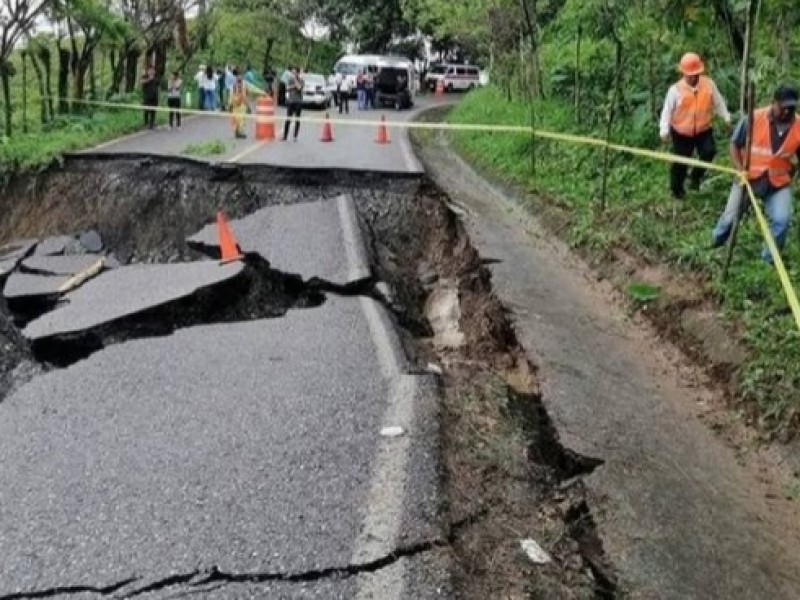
{"x":362,"y":98}
{"x":777,"y":206}
{"x":209,"y":99}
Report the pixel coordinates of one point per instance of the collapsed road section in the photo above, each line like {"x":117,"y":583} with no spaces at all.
{"x":343,"y":413}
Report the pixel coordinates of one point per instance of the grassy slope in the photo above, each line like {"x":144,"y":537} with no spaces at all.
{"x":642,"y":218}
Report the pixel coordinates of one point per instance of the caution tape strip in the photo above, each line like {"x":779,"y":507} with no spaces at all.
{"x":780,"y":268}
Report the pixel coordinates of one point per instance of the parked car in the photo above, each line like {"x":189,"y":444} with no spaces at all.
{"x":316,"y":91}
{"x":392,"y":88}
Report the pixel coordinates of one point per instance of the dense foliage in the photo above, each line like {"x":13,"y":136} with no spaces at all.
{"x":576,"y":93}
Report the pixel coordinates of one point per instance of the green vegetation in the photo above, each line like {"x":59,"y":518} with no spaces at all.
{"x":601,"y":68}
{"x":643,"y":292}
{"x":209,"y":148}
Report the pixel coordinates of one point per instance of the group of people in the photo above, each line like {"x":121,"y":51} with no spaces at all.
{"x":686,"y":120}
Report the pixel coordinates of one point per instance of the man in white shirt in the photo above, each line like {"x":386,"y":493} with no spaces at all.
{"x":342,"y":87}
{"x":686,"y":118}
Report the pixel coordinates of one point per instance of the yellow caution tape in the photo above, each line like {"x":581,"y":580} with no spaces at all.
{"x":788,"y":289}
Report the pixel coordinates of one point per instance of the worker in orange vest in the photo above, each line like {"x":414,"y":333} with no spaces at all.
{"x":686,"y":118}
{"x":776,"y":139}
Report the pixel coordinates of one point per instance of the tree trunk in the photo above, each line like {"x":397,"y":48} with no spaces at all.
{"x":725,"y":14}
{"x":44,"y":56}
{"x":131,"y":67}
{"x":37,"y":70}
{"x":267,"y":53}
{"x":5,"y":77}
{"x":63,"y":80}
{"x":92,"y":82}
{"x":24,"y":56}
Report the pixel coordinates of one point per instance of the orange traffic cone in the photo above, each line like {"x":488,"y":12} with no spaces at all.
{"x":228,"y":247}
{"x":383,"y":135}
{"x":327,"y":133}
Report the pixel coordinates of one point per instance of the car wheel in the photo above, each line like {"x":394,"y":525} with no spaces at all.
{"x":449,"y":88}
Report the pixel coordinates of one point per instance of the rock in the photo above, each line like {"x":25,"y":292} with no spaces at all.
{"x":443,"y":311}
{"x":92,"y":241}
{"x":535,"y":552}
{"x":392,"y":431}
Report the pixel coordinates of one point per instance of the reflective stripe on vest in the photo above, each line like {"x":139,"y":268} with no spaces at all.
{"x":694,"y":109}
{"x":763,"y":160}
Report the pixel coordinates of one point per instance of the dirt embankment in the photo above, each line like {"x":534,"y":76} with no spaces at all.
{"x":507,"y":476}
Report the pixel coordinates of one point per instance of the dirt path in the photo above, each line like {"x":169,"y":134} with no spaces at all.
{"x":679,"y":513}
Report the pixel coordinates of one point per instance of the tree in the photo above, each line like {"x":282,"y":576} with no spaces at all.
{"x":17,"y":18}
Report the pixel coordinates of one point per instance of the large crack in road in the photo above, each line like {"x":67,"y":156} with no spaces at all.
{"x":170,"y":412}
{"x":133,"y":587}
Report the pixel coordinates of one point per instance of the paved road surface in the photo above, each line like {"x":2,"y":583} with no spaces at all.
{"x":252,"y":449}
{"x":353,"y":147}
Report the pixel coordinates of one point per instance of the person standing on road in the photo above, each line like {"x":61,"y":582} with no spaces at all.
{"x":369,"y":90}
{"x":238,"y":106}
{"x":343,"y":92}
{"x":174,"y":99}
{"x":201,"y":98}
{"x":775,"y":140}
{"x":294,"y":102}
{"x":686,"y":118}
{"x":150,"y":96}
{"x":360,"y":91}
{"x":208,"y":88}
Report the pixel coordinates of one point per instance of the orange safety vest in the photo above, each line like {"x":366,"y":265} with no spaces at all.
{"x":695,"y":108}
{"x":763,"y":159}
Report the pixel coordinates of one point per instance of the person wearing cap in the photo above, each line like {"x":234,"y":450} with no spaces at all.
{"x":686,"y":118}
{"x":775,"y":140}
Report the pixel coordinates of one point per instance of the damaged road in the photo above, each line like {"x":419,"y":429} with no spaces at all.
{"x":220,"y":426}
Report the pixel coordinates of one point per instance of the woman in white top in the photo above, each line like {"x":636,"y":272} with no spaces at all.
{"x":208,"y":87}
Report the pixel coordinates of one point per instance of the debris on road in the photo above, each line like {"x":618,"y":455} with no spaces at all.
{"x":392,"y":431}
{"x":534,"y":552}
{"x":128,"y":290}
{"x":11,"y":255}
{"x":444,"y":313}
{"x":58,"y":265}
{"x":53,"y":245}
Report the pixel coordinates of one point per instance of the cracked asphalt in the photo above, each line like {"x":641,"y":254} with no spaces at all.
{"x":251,"y":449}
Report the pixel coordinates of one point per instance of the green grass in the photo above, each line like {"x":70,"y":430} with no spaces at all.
{"x":641,"y":216}
{"x":209,"y":148}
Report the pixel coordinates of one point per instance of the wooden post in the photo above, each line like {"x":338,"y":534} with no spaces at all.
{"x":24,"y":54}
{"x":578,"y":77}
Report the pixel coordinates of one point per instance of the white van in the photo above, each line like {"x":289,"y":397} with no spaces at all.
{"x":351,"y":64}
{"x":453,"y":77}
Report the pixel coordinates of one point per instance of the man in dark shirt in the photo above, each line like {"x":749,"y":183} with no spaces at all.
{"x":150,"y":96}
{"x":776,"y":139}
{"x":294,"y":102}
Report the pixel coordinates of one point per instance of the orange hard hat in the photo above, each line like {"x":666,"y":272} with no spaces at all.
{"x":691,"y":64}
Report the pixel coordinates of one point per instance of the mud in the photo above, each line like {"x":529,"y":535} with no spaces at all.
{"x":507,"y":474}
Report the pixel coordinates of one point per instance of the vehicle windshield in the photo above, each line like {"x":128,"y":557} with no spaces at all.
{"x":346,"y":68}
{"x":313,"y":79}
{"x":439,"y":69}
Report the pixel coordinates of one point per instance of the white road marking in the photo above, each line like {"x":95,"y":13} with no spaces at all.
{"x":384,"y":501}
{"x":130,"y":136}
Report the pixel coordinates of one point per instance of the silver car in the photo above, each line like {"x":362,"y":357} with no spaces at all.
{"x":316,"y":91}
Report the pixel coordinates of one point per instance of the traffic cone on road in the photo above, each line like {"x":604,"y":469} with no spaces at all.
{"x":228,"y":247}
{"x":383,"y":135}
{"x":327,"y":133}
